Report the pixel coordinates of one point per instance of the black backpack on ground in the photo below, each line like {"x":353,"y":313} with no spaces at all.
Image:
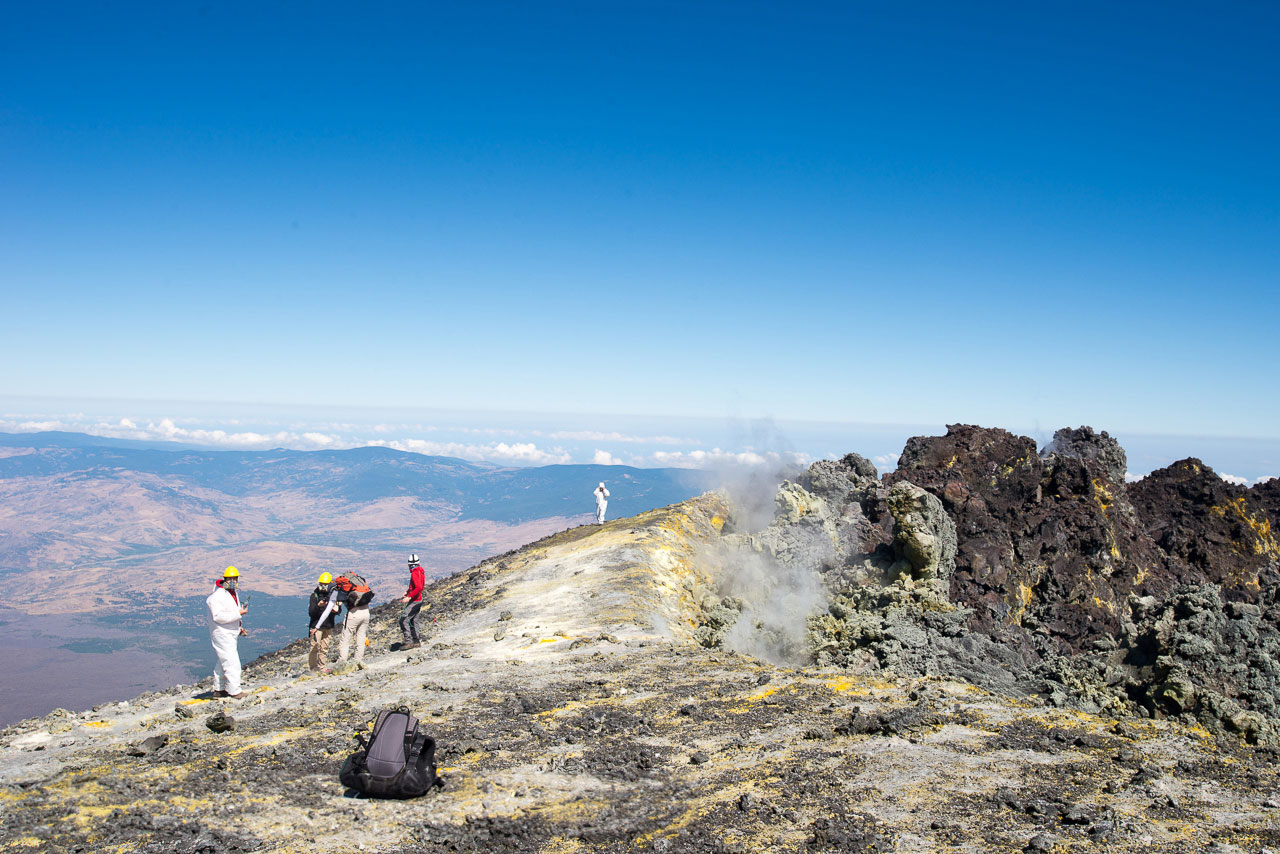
{"x":397,"y":761}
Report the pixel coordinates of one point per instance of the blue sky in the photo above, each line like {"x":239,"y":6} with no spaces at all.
{"x":1018,"y":215}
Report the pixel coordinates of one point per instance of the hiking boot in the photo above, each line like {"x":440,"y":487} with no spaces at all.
{"x":239,"y":696}
{"x":221,"y":694}
{"x":409,"y":645}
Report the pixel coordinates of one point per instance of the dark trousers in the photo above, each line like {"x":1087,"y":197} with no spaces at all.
{"x":409,"y":621}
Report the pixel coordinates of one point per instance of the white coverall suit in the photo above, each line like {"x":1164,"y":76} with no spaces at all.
{"x":224,"y":632}
{"x":602,"y":502}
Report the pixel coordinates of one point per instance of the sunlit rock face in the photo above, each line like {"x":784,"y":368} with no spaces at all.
{"x":682,"y":681}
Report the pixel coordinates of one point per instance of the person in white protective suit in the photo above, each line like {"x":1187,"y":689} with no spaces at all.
{"x":225,"y":630}
{"x":602,"y":501}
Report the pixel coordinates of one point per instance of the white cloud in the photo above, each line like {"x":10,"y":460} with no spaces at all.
{"x":528,"y":452}
{"x":247,"y":440}
{"x":404,"y":437}
{"x":717,"y":457}
{"x":1244,"y":481}
{"x":491,"y":431}
{"x":886,"y":462}
{"x":523,"y":453}
{"x":167,"y":430}
{"x":596,"y":436}
{"x":1130,"y":477}
{"x":37,"y":426}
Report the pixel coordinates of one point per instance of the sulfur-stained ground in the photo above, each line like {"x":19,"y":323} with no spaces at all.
{"x":573,"y":714}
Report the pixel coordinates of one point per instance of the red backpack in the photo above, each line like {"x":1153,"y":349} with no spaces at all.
{"x":356,"y":588}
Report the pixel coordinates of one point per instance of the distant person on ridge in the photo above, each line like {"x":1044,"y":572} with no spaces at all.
{"x":602,"y":501}
{"x":321,"y":612}
{"x":412,"y":600}
{"x":225,"y":630}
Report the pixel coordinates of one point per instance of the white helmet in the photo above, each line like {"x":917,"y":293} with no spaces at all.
{"x":413,"y":560}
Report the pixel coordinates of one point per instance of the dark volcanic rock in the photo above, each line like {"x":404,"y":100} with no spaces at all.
{"x":891,"y":721}
{"x":1049,"y":538}
{"x":1028,"y":572}
{"x":1087,"y":446}
{"x":847,"y":832}
{"x":148,"y":745}
{"x":1212,"y":530}
{"x":220,"y":722}
{"x":1217,"y":660}
{"x":1267,"y":494}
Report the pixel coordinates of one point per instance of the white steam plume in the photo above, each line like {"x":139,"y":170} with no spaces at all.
{"x":776,"y":599}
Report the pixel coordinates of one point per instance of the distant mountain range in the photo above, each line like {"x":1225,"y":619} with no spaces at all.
{"x":160,"y":521}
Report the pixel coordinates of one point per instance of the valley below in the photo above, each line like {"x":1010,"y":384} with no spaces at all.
{"x":107,"y":549}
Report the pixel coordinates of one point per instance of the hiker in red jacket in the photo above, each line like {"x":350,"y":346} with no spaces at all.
{"x":412,"y":600}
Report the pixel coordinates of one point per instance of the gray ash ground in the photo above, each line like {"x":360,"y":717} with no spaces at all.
{"x":804,"y":763}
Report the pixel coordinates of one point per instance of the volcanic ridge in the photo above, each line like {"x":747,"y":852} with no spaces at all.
{"x":992,"y":648}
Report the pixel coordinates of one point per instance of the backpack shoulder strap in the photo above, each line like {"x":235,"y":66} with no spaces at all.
{"x":377,"y":724}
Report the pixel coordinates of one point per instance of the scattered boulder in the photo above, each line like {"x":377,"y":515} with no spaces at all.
{"x":1094,"y":449}
{"x":895,"y":721}
{"x":149,"y":745}
{"x":1040,"y":842}
{"x":220,"y":722}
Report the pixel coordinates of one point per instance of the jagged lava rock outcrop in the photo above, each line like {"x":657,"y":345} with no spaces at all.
{"x":1213,"y":531}
{"x":1068,"y":582}
{"x":1044,"y":539}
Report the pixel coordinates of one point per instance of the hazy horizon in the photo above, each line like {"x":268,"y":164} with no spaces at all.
{"x":514,"y":438}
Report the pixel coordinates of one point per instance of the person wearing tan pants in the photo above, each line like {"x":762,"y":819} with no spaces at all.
{"x":321,"y":611}
{"x":354,"y":628}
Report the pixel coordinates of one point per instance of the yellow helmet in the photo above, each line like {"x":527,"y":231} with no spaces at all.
{"x":325,"y":578}
{"x":231,"y":572}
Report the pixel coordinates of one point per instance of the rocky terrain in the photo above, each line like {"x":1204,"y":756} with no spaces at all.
{"x":994,"y":648}
{"x":1044,"y":573}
